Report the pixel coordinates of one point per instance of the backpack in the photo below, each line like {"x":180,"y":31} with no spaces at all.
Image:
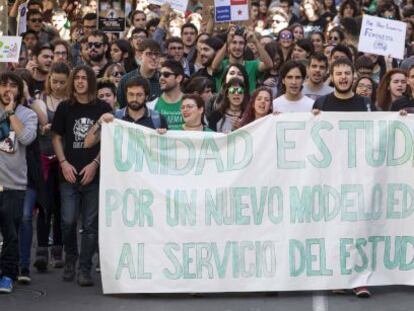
{"x":155,"y":116}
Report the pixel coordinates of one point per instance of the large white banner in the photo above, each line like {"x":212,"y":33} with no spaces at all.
{"x":291,"y":202}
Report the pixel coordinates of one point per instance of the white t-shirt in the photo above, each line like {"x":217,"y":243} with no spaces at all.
{"x":282,"y":104}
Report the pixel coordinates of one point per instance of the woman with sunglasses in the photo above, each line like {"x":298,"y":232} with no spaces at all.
{"x":336,"y":36}
{"x":114,"y":73}
{"x":235,"y":98}
{"x":285,"y":40}
{"x":260,"y":105}
{"x":122,"y":52}
{"x":192,"y":111}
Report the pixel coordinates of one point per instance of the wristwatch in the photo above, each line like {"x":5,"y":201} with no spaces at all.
{"x":9,"y":113}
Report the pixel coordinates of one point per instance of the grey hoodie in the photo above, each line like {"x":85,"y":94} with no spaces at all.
{"x":13,"y":166}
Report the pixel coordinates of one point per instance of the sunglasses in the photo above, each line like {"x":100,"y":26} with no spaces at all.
{"x":36,"y":20}
{"x":236,"y":90}
{"x":95,"y":44}
{"x":166,"y":74}
{"x":333,"y":38}
{"x":286,"y":36}
{"x":116,"y":74}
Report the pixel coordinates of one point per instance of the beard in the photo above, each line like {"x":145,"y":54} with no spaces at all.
{"x":342,"y":91}
{"x":96,"y":57}
{"x":135,"y":106}
{"x":208,"y":62}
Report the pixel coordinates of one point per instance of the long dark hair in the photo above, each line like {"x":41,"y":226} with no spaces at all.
{"x":90,"y":74}
{"x":373,"y":97}
{"x":249,"y":114}
{"x":226,"y":102}
{"x":126,"y":47}
{"x":383,"y":92}
{"x":242,"y":70}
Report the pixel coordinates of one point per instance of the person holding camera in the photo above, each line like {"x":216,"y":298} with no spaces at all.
{"x":235,"y":46}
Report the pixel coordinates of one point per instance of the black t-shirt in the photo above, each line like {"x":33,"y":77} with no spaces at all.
{"x":72,"y":121}
{"x":39,"y":86}
{"x":146,"y":120}
{"x":332,"y":103}
{"x":402,"y":103}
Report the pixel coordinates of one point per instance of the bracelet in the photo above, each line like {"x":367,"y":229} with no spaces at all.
{"x":61,"y":162}
{"x":97,"y":162}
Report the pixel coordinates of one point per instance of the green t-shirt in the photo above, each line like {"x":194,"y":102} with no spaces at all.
{"x":171,"y":112}
{"x":252,"y":69}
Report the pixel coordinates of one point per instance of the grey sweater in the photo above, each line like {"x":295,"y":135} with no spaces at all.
{"x":13,"y":166}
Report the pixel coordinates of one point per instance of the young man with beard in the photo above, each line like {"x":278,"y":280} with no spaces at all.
{"x":40,"y":65}
{"x":315,"y":86}
{"x":343,"y":98}
{"x":208,"y":50}
{"x":235,"y":46}
{"x":79,"y":187}
{"x":169,"y":103}
{"x":175,"y":51}
{"x":150,"y":58}
{"x":97,"y":48}
{"x":292,"y":75}
{"x":18,"y":128}
{"x":59,"y":21}
{"x":189,"y":34}
{"x":137,"y":90}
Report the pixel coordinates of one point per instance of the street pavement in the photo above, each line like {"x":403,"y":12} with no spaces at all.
{"x":47,"y":292}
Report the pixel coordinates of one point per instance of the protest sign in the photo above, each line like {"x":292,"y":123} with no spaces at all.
{"x":382,"y":36}
{"x":10,"y":49}
{"x":179,"y":5}
{"x":111,"y":16}
{"x":289,"y":202}
{"x":231,"y":10}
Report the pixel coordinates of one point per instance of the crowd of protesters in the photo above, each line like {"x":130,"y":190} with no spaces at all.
{"x":166,"y":71}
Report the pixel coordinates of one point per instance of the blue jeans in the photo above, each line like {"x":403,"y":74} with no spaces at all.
{"x":11,"y":210}
{"x":26,"y":228}
{"x":83,"y":200}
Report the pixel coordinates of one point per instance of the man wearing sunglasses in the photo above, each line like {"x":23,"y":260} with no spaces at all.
{"x":97,"y":48}
{"x":35,"y":22}
{"x":169,"y":103}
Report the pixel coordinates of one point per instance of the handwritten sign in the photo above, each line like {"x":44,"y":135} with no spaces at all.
{"x":382,"y":36}
{"x":231,"y":10}
{"x":290,"y":202}
{"x":179,"y":5}
{"x":10,"y":49}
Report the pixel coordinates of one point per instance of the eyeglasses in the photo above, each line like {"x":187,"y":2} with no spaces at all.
{"x":188,"y":107}
{"x":365,"y":86}
{"x":167,"y":74}
{"x":36,"y":20}
{"x":95,"y":44}
{"x":116,"y":74}
{"x":236,"y":90}
{"x":152,"y":54}
{"x":286,"y":35}
{"x":60,"y":53}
